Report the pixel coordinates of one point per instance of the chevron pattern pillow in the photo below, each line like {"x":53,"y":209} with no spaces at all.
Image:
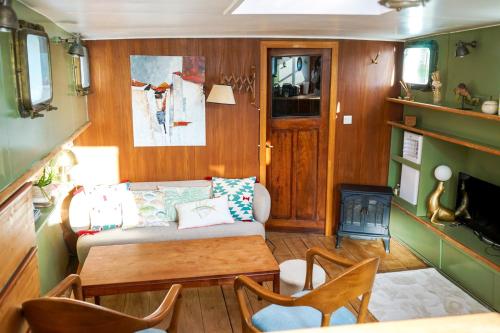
{"x":240,"y":195}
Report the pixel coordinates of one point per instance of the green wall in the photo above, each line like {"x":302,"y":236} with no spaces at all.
{"x":24,"y":141}
{"x":480,"y":71}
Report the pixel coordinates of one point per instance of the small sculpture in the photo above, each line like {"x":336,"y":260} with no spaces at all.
{"x":406,"y":88}
{"x":465,"y":97}
{"x":435,"y":211}
{"x":436,"y":87}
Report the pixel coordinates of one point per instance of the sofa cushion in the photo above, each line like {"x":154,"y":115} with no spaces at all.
{"x":240,"y":193}
{"x":204,"y":213}
{"x":181,"y":194}
{"x":161,"y":234}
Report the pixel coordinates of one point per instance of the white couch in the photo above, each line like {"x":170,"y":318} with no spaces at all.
{"x":261,"y":210}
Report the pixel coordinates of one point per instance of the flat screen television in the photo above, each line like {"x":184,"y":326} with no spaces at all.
{"x":483,"y":213}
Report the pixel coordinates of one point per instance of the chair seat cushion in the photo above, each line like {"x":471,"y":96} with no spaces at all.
{"x":282,"y":318}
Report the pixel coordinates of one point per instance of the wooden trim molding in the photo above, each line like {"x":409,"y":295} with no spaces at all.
{"x":37,"y":166}
{"x":277,"y":44}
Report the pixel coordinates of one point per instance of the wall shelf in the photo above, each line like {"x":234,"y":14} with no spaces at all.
{"x":459,"y":236}
{"x":441,"y":108}
{"x":402,"y":160}
{"x":448,"y":138}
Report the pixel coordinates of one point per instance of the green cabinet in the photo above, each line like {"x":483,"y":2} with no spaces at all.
{"x":481,"y":280}
{"x":415,"y":235}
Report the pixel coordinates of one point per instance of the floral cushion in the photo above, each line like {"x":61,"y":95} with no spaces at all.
{"x":105,"y":205}
{"x":240,"y":195}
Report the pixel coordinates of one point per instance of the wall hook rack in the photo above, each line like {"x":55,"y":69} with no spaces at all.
{"x":375,"y":60}
{"x":243,"y":82}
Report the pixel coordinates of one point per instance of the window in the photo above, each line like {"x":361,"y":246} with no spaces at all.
{"x":419,"y":61}
{"x":296,"y":86}
{"x":34,"y":78}
{"x":82,"y":73}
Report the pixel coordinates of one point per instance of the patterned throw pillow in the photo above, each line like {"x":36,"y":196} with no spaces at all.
{"x":180,"y":195}
{"x":151,"y":208}
{"x":204,"y":213}
{"x":240,"y":195}
{"x":105,"y":205}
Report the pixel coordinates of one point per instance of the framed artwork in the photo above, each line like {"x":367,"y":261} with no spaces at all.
{"x":168,"y":101}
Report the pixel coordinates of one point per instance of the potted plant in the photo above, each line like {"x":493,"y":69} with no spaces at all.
{"x":40,"y":195}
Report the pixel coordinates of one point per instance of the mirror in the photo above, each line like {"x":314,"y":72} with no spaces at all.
{"x":33,"y":70}
{"x":82,"y":73}
{"x":296,"y":86}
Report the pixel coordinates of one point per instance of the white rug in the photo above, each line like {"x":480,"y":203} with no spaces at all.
{"x":421,"y":293}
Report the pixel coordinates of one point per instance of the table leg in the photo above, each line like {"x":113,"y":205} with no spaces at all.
{"x":97,"y":300}
{"x":276,"y":283}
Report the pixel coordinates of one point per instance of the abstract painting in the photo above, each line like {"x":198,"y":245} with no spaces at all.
{"x":168,"y":101}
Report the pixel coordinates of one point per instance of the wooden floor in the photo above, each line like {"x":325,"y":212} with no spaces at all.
{"x":215,"y":309}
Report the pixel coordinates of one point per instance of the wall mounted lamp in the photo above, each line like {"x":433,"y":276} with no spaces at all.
{"x":244,"y":82}
{"x":8,"y":17}
{"x":462,"y":49}
{"x":402,"y":4}
{"x":75,"y":45}
{"x":221,"y":94}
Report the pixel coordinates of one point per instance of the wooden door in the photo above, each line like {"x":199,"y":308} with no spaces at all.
{"x":297,"y":135}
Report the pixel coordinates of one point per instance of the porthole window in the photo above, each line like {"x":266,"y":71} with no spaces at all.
{"x":419,"y":61}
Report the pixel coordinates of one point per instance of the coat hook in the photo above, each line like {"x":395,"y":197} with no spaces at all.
{"x":375,"y":60}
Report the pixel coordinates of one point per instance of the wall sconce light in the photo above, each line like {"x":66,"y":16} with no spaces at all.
{"x":241,"y":82}
{"x":462,"y":49}
{"x":221,"y":94}
{"x":8,"y":17}
{"x":75,"y":45}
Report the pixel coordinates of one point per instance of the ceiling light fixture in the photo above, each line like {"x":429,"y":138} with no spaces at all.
{"x":8,"y":17}
{"x":402,"y":4}
{"x":462,"y":49}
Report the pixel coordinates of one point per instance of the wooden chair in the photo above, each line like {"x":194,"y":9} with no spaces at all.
{"x":323,"y":306}
{"x":56,"y":314}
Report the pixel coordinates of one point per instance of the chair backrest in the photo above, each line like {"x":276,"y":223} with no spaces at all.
{"x":56,"y":314}
{"x":64,"y":315}
{"x":353,"y":282}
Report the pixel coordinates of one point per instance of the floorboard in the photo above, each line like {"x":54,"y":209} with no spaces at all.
{"x":215,"y":309}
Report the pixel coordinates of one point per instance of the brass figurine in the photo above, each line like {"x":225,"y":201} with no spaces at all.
{"x":436,"y":87}
{"x":435,"y":211}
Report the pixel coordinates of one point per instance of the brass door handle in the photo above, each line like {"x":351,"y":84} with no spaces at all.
{"x":269,"y":146}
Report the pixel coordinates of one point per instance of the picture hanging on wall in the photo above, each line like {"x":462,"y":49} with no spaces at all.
{"x":168,"y":101}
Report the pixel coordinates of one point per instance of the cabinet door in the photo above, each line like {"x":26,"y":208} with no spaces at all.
{"x":352,"y":213}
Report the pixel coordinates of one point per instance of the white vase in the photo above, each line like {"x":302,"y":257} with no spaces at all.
{"x":490,"y":107}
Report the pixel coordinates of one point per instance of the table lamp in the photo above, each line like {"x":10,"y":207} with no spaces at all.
{"x":435,"y":211}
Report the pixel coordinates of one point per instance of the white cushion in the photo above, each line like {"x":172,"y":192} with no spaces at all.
{"x":293,"y":276}
{"x":79,"y":212}
{"x":204,"y":213}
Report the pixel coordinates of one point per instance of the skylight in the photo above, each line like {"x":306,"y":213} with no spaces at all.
{"x":316,"y":7}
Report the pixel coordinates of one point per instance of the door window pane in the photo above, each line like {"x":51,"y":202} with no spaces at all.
{"x":296,"y":86}
{"x":39,"y":69}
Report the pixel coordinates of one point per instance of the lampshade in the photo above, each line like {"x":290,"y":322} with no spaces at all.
{"x":442,"y":173}
{"x":76,"y":48}
{"x":8,"y":17}
{"x":221,"y":94}
{"x":462,"y":49}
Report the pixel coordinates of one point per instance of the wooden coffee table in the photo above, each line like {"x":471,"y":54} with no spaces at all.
{"x":117,"y":269}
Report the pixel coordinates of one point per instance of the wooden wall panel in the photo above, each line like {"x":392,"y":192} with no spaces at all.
{"x":362,"y":149}
{"x":307,"y":174}
{"x":232,"y":131}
